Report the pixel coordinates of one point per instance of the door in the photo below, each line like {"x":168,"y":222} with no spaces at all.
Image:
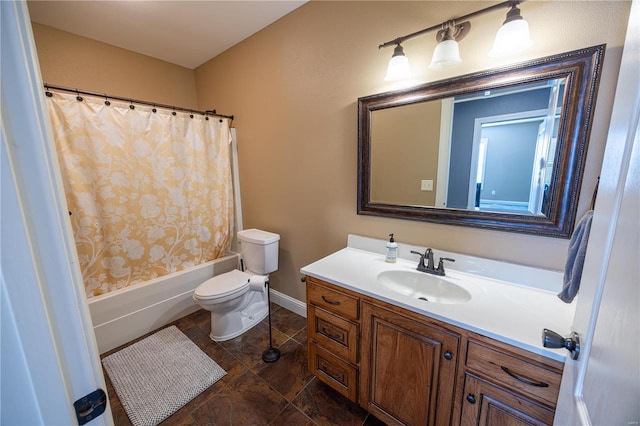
{"x":603,"y":385}
{"x":49,"y":355}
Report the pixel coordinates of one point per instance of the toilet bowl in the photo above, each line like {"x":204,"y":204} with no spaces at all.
{"x":235,"y":305}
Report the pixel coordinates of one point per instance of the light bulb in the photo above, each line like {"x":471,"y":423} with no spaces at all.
{"x":446,"y":55}
{"x":398,"y":67}
{"x":513,"y":36}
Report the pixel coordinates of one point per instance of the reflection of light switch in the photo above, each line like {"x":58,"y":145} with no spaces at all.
{"x":493,"y":192}
{"x":426,"y":185}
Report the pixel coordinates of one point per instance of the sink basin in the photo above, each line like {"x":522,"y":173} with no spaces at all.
{"x":420,"y":285}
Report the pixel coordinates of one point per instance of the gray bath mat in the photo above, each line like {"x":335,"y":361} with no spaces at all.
{"x":159,"y":374}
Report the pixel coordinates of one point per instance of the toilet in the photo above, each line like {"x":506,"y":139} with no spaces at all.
{"x":236,"y":306}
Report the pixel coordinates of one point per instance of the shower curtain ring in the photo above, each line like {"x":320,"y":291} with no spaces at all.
{"x":106,"y":100}
{"x":131,"y":106}
{"x":78,"y":97}
{"x":154,"y":108}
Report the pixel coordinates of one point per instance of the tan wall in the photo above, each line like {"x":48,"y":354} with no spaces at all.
{"x":404,"y":151}
{"x":81,"y":63}
{"x":293,"y":88}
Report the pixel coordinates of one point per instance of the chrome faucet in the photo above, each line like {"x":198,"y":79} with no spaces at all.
{"x":430,"y":267}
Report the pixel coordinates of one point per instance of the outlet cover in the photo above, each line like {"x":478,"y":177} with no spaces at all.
{"x":426,"y":185}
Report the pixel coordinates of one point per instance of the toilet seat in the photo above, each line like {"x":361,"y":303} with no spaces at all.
{"x":223,"y":285}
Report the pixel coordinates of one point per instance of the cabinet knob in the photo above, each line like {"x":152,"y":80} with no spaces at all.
{"x":448,"y":356}
{"x":471,"y":399}
{"x":303,"y":279}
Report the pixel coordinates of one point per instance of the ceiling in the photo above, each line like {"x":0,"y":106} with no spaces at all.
{"x":183,"y":32}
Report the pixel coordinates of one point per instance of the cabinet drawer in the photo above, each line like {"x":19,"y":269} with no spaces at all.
{"x":517,"y":373}
{"x":332,"y":300}
{"x":333,"y":333}
{"x":333,"y":371}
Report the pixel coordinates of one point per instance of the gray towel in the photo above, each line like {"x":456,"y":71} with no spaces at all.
{"x":575,"y":258}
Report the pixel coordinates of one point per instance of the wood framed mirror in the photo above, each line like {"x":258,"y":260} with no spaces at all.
{"x":502,"y":149}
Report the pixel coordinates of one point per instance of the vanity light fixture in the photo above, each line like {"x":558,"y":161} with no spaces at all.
{"x":398,"y":67}
{"x":512,"y":37}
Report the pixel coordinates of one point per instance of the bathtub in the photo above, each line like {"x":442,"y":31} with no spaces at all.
{"x":124,"y":315}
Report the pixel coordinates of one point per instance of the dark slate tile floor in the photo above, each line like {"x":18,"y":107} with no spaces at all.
{"x":254,"y":392}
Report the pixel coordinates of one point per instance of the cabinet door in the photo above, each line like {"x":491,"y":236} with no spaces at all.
{"x":408,"y":369}
{"x":486,"y":404}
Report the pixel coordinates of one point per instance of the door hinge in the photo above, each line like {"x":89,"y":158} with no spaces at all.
{"x":90,"y":406}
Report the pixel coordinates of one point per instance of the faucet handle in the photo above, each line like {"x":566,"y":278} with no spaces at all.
{"x":421,"y":262}
{"x":441,"y":263}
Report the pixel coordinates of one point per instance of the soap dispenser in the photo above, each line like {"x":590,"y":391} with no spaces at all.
{"x":392,"y":250}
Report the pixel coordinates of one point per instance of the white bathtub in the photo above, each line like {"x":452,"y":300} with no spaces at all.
{"x":121,"y":316}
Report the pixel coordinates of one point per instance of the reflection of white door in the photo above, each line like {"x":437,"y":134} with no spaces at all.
{"x":444,"y":152}
{"x":537,"y":176}
{"x":546,"y":133}
{"x":603,"y":386}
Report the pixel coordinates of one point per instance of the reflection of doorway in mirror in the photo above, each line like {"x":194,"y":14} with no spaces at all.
{"x":540,"y":103}
{"x":510,"y":160}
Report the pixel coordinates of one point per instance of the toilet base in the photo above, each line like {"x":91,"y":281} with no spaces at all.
{"x":233,"y":324}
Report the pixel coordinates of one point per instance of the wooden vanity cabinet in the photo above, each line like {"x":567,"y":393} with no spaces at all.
{"x":408,"y":368}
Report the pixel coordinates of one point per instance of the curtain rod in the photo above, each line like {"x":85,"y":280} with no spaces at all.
{"x":211,"y":112}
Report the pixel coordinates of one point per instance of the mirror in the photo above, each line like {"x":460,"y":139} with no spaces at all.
{"x":502,"y":149}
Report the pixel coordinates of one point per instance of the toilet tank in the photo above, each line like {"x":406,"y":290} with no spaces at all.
{"x":259,"y":249}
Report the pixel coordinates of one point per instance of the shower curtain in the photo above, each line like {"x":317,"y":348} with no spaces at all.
{"x":149,"y":190}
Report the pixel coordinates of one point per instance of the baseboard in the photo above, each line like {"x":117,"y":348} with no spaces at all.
{"x":288,"y":302}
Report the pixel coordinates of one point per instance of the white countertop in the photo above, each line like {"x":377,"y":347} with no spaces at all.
{"x":511,"y":313}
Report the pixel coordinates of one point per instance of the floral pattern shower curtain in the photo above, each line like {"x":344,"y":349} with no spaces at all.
{"x":149,"y":193}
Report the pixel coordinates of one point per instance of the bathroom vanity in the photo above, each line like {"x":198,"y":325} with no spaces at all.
{"x":470,"y":354}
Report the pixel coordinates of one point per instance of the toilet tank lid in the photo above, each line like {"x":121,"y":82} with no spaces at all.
{"x":257,"y":236}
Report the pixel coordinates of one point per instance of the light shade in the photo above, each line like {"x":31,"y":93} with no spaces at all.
{"x":513,"y":36}
{"x":445,"y":55}
{"x":398,"y":67}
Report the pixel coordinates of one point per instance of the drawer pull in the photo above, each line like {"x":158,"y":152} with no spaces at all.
{"x":330,"y":301}
{"x":523,"y":380}
{"x":448,"y":356}
{"x":333,"y":336}
{"x":337,"y":377}
{"x":471,"y":399}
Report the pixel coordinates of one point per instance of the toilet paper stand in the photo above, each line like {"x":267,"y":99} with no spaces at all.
{"x":272,"y":354}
